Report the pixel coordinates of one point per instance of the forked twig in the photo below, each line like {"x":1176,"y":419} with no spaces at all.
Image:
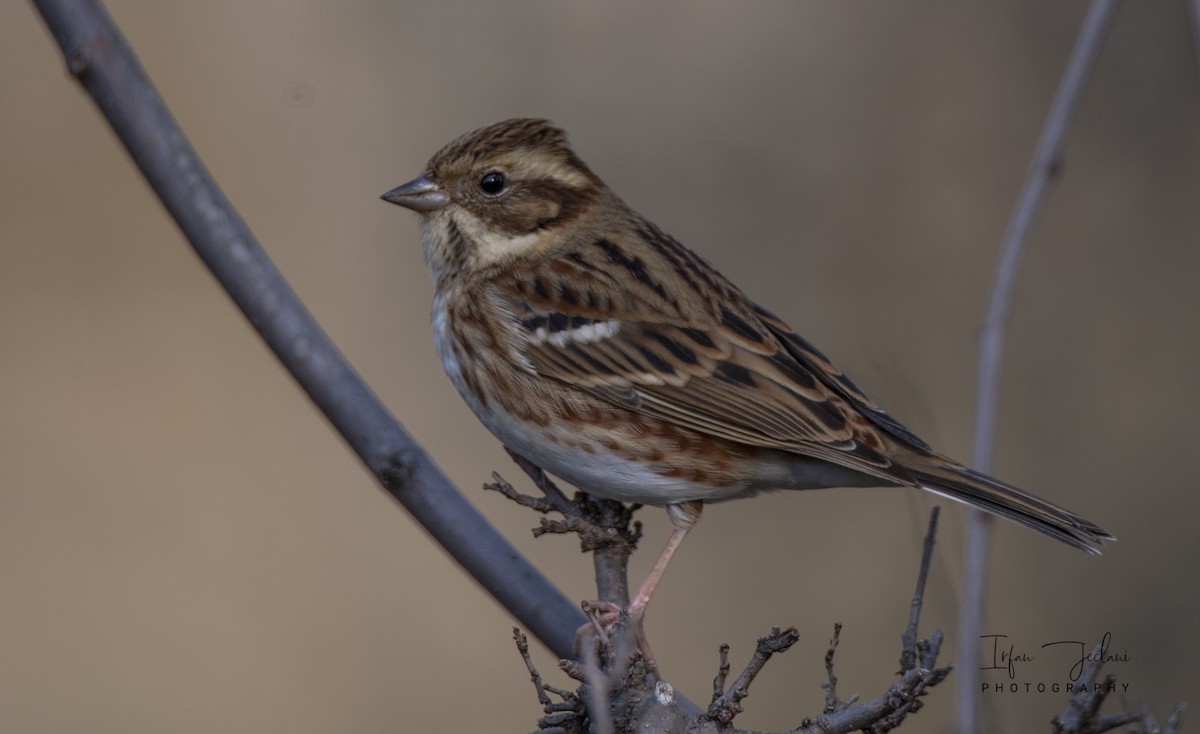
{"x":729,"y":703}
{"x":1083,"y":709}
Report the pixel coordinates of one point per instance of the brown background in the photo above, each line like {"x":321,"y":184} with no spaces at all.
{"x":185,"y":546}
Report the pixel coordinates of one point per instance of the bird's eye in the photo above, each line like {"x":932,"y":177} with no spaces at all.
{"x":493,"y":183}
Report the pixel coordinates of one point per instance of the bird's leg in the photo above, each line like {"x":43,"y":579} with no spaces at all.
{"x":603,"y":616}
{"x":683,"y":517}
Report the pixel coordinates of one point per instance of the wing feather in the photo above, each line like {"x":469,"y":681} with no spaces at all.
{"x":723,"y":366}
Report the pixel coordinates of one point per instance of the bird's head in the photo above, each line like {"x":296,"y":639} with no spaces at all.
{"x":508,"y":191}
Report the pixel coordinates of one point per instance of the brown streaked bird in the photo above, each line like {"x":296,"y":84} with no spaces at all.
{"x":592,"y":343}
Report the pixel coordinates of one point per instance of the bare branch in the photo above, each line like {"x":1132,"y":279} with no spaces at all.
{"x":729,"y":704}
{"x":909,"y":654}
{"x":554,"y":496}
{"x":1192,"y":7}
{"x":605,"y":527}
{"x":596,"y":691}
{"x":523,"y":647}
{"x":100,"y":59}
{"x":833,"y":704}
{"x":722,"y":673}
{"x":879,"y":710}
{"x":1083,"y":710}
{"x":1045,"y":167}
{"x":1173,"y":721}
{"x":627,"y":699}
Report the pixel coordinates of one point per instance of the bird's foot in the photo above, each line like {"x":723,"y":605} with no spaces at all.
{"x":609,"y":624}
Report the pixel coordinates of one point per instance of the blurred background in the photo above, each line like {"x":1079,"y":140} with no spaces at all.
{"x":186,"y":546}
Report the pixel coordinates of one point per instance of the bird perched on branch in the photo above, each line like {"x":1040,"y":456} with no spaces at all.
{"x":592,"y":343}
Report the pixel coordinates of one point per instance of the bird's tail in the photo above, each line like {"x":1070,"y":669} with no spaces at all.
{"x":974,"y":488}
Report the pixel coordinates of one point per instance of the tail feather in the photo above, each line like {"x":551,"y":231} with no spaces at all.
{"x":992,"y":495}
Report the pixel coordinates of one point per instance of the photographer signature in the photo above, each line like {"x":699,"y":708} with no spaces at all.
{"x":1005,"y":655}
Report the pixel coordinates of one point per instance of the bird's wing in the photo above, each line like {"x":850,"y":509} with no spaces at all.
{"x":723,"y":367}
{"x":708,"y":359}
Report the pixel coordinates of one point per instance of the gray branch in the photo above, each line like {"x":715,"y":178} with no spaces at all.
{"x":1083,"y":710}
{"x":1045,"y":167}
{"x":100,"y":59}
{"x":634,"y":701}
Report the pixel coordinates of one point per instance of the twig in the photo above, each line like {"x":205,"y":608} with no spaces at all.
{"x":902,"y":692}
{"x":722,"y":673}
{"x":628,"y":700}
{"x":554,"y":496}
{"x":1047,"y":160}
{"x":930,"y":649}
{"x":596,"y":689}
{"x":833,"y":704}
{"x":908,"y":640}
{"x":100,"y":59}
{"x":606,"y":528}
{"x":523,"y":647}
{"x":1192,"y":8}
{"x":1173,"y":721}
{"x":1083,"y":709}
{"x":729,"y":703}
{"x":558,"y":716}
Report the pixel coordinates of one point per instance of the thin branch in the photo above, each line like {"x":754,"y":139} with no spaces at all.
{"x":729,"y":703}
{"x":597,"y":692}
{"x":605,"y":527}
{"x":1047,"y":161}
{"x":833,"y":703}
{"x":910,"y":654}
{"x":902,"y":692}
{"x":886,"y":712}
{"x":1192,"y":8}
{"x":1174,"y":720}
{"x":100,"y":59}
{"x":523,"y":648}
{"x":722,"y":673}
{"x":1083,"y":709}
{"x":554,"y":496}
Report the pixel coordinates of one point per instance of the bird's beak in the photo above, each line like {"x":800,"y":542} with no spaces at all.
{"x":422,"y":194}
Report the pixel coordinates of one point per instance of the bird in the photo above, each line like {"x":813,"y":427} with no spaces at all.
{"x":595,"y":345}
